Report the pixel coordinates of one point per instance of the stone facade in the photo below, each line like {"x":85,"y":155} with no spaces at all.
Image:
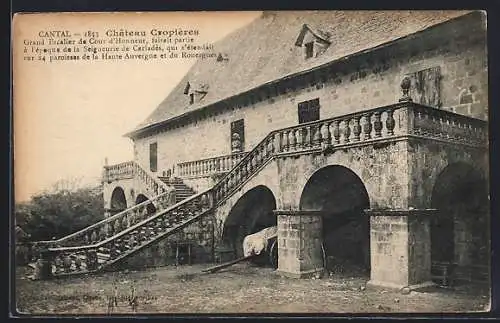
{"x":362,"y":82}
{"x":369,"y":160}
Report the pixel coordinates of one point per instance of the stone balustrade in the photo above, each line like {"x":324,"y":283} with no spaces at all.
{"x":112,"y":225}
{"x":133,"y":229}
{"x":131,"y":169}
{"x":365,"y":127}
{"x":209,"y":166}
{"x":139,"y":232}
{"x":119,"y":171}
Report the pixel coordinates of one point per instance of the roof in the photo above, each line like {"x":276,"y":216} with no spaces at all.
{"x":265,"y":50}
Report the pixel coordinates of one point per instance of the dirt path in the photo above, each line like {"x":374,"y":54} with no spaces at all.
{"x":239,"y":289}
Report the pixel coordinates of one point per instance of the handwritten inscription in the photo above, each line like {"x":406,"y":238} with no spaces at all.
{"x":52,"y":46}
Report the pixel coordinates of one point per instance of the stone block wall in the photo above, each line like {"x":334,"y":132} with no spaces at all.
{"x":419,"y":249}
{"x":389,"y":250}
{"x":299,"y":245}
{"x":162,"y":252}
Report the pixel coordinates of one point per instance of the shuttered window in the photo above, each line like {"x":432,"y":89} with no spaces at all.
{"x":153,"y":157}
{"x":308,"y":111}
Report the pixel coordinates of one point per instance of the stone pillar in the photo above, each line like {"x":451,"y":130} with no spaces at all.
{"x":300,"y":252}
{"x":400,"y":247}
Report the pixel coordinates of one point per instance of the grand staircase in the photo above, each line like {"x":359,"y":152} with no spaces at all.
{"x":102,"y":245}
{"x":182,"y":191}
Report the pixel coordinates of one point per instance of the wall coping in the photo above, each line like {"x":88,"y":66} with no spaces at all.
{"x":400,"y":212}
{"x":299,"y":212}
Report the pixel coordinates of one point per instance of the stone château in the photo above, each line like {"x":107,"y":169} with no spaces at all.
{"x":362,"y":136}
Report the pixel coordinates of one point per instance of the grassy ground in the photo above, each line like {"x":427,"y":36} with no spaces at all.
{"x":241,"y":288}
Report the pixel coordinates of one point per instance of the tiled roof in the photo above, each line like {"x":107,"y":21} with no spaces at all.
{"x":265,"y":50}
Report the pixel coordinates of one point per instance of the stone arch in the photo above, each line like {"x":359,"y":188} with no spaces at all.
{"x":342,"y":197}
{"x":118,"y":200}
{"x":460,"y":229}
{"x":142,"y":198}
{"x":250,"y":214}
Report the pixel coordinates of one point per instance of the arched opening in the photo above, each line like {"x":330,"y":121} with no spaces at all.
{"x":460,"y":229}
{"x":118,"y":200}
{"x":342,"y":196}
{"x":251,"y":213}
{"x":142,"y":198}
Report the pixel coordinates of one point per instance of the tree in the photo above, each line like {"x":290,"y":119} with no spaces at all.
{"x":61,"y":211}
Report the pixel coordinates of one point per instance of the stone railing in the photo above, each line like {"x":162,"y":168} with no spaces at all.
{"x":116,"y":172}
{"x":97,"y":254}
{"x":364,"y":127}
{"x":389,"y":123}
{"x":112,"y":225}
{"x":209,"y":166}
{"x":132,"y":169}
{"x":445,"y":125}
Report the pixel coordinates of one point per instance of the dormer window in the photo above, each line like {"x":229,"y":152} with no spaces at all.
{"x":313,"y":42}
{"x":309,"y":49}
{"x":195,"y":92}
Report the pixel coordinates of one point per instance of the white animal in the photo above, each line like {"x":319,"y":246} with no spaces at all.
{"x":255,"y":243}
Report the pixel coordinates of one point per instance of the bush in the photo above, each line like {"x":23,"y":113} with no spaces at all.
{"x":56,"y":214}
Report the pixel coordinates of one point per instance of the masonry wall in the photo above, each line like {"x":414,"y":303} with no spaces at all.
{"x":371,"y":81}
{"x":162,"y":252}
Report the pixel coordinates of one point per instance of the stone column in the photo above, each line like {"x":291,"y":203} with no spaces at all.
{"x":300,"y":252}
{"x":400,"y":247}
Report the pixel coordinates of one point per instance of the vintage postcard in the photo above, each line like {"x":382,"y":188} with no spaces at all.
{"x":251,"y":162}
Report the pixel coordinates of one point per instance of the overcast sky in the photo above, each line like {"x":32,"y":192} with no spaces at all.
{"x":69,"y":116}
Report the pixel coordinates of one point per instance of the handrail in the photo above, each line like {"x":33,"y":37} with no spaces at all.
{"x":107,"y":220}
{"x":394,"y":121}
{"x":133,"y":227}
{"x":207,"y":166}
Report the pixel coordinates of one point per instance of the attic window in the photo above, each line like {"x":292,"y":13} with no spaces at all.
{"x":309,"y":49}
{"x":196,"y":92}
{"x":313,"y":41}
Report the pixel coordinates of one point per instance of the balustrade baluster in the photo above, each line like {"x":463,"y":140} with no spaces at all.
{"x":390,"y":123}
{"x":308,"y":136}
{"x":237,"y":177}
{"x":243,"y":169}
{"x":317,"y":135}
{"x":277,"y":142}
{"x":357,"y":128}
{"x":263,"y":152}
{"x":347,"y":130}
{"x":377,"y":124}
{"x":336,"y":131}
{"x":325,"y":133}
{"x":285,"y":140}
{"x":249,"y":164}
{"x":367,"y":127}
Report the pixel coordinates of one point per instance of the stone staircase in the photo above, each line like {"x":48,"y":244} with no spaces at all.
{"x":182,"y":191}
{"x":102,"y":245}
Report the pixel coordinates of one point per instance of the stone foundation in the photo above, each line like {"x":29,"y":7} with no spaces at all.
{"x":400,"y":248}
{"x":299,"y":243}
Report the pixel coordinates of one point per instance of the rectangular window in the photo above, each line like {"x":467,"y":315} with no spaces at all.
{"x":153,"y":157}
{"x":237,"y":136}
{"x":308,"y":111}
{"x":309,"y":48}
{"x":191,"y":98}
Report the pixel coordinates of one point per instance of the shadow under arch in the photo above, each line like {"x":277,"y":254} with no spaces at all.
{"x":251,"y":213}
{"x":342,"y":196}
{"x":118,"y":200}
{"x":460,"y":229}
{"x":142,"y":198}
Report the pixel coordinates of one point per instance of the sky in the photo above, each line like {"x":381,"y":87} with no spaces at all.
{"x":70,"y":116}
